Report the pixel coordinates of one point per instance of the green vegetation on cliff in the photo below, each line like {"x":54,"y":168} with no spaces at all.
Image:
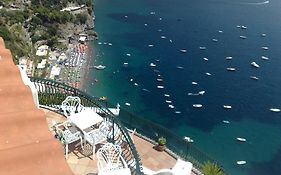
{"x":23,"y":24}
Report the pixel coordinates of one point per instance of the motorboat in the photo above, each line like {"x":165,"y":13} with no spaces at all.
{"x":242,"y":37}
{"x":206,"y":59}
{"x":128,"y":54}
{"x":238,"y":26}
{"x":228,"y":58}
{"x":243,"y":27}
{"x":125,"y":64}
{"x":254,"y":77}
{"x":171,"y":41}
{"x":264,"y":58}
{"x":274,"y":109}
{"x":194,"y":83}
{"x":99,"y":67}
{"x":150,"y":45}
{"x":168,"y":101}
{"x":263,"y":35}
{"x":201,"y":93}
{"x":160,"y":79}
{"x":178,"y":112}
{"x":254,"y":64}
{"x":183,"y":50}
{"x":110,"y":44}
{"x":152,"y":65}
{"x":163,"y":37}
{"x":136,"y":84}
{"x":226,"y":121}
{"x":264,"y":48}
{"x":241,"y":162}
{"x":145,"y":24}
{"x":179,"y":67}
{"x":202,"y":48}
{"x":241,"y":139}
{"x":188,"y":139}
{"x":209,"y":74}
{"x":197,"y":105}
{"x":230,"y":69}
{"x":227,"y":106}
{"x":166,"y":95}
{"x":171,"y":106}
{"x":215,"y":40}
{"x":127,"y":104}
{"x":220,"y":31}
{"x":160,"y":87}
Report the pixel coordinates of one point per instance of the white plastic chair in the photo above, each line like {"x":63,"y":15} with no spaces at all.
{"x":97,"y":136}
{"x":68,"y":134}
{"x":71,"y":105}
{"x":180,"y":168}
{"x":110,"y":159}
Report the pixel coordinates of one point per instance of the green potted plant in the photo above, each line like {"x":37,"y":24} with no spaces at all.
{"x":211,"y":168}
{"x":161,"y":144}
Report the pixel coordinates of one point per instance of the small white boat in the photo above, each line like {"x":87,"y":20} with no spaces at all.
{"x":163,"y":37}
{"x":100,"y":67}
{"x":202,"y":48}
{"x":209,"y":74}
{"x":242,"y":37}
{"x":171,"y":106}
{"x":194,"y":83}
{"x":254,"y":64}
{"x":99,"y":43}
{"x":150,"y":45}
{"x":274,"y":109}
{"x":238,"y":26}
{"x":228,"y":58}
{"x":145,"y":24}
{"x":177,"y":112}
{"x":230,"y":69}
{"x":243,"y":27}
{"x":215,"y":40}
{"x":171,"y":41}
{"x":166,"y":95}
{"x":227,"y":106}
{"x":201,"y":93}
{"x":152,"y":13}
{"x":128,"y":54}
{"x":197,"y":105}
{"x":179,"y":67}
{"x":206,"y":59}
{"x":220,"y":31}
{"x":152,"y":65}
{"x":263,"y":35}
{"x":125,"y":64}
{"x":254,"y":77}
{"x":241,"y":162}
{"x":241,"y":139}
{"x":160,"y":87}
{"x":168,"y":101}
{"x":110,"y":44}
{"x":264,"y":48}
{"x":183,"y":50}
{"x":226,"y":121}
{"x":136,"y":84}
{"x":160,"y":79}
{"x":131,"y":79}
{"x":264,"y":58}
{"x":127,"y":104}
{"x":188,"y":139}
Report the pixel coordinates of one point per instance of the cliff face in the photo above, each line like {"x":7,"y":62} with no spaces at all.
{"x":25,"y":24}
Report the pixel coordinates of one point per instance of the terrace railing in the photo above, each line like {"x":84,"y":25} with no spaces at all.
{"x":51,"y":94}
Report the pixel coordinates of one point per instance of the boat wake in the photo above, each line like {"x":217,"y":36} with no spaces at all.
{"x":256,"y":3}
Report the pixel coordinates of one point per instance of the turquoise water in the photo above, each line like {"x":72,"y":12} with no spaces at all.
{"x":131,"y":27}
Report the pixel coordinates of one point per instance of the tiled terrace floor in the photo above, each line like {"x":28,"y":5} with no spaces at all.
{"x":81,"y":162}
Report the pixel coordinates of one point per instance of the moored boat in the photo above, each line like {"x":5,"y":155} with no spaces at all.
{"x":197,"y":105}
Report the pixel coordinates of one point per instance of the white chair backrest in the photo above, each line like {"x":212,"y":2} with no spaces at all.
{"x":71,"y":105}
{"x":109,"y":157}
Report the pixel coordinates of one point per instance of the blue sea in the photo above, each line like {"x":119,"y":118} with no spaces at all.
{"x":141,"y":32}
